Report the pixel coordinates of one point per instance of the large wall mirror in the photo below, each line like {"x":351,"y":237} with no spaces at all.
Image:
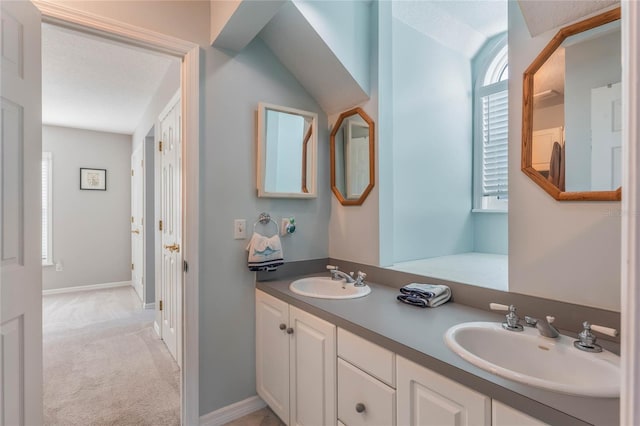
{"x":572,"y":122}
{"x":352,"y":157}
{"x":287,"y":152}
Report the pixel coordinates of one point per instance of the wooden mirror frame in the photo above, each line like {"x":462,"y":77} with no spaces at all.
{"x":527,"y":112}
{"x":372,"y":175}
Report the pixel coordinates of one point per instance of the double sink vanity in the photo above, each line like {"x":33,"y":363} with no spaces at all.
{"x":330,"y":351}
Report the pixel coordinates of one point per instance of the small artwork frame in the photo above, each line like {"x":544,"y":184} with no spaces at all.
{"x":93,"y":179}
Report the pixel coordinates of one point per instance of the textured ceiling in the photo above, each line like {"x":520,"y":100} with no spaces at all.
{"x":539,"y":19}
{"x":462,"y":25}
{"x":96,"y":84}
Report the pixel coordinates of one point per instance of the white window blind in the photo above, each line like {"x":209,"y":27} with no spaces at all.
{"x":495,"y":123}
{"x":47,"y":257}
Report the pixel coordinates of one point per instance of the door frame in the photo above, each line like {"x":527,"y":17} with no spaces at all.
{"x":190,"y":86}
{"x":630,"y":262}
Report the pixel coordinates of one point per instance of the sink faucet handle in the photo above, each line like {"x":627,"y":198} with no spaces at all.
{"x":512,"y":321}
{"x":332,"y":268}
{"x":498,"y":307}
{"x":550,"y":319}
{"x":604,"y":330}
{"x":360,"y":280}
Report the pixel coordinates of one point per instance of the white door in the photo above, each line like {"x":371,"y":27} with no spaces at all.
{"x":313,"y":381}
{"x":20,"y":216}
{"x":272,"y":353}
{"x":171,"y":216}
{"x":137,"y":221}
{"x":606,"y":137}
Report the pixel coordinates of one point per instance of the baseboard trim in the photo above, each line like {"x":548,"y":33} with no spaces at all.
{"x":232,"y":412}
{"x":149,"y":305}
{"x":86,"y":287}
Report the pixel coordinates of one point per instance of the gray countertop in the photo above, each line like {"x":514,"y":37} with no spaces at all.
{"x":417,"y":334}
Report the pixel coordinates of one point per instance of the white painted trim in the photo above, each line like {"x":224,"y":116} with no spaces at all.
{"x":190,"y":72}
{"x":630,"y":280}
{"x":86,"y":287}
{"x":149,"y":305}
{"x":156,"y":328}
{"x":232,"y":412}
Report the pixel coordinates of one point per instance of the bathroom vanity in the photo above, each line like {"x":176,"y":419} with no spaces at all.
{"x":375,"y":361}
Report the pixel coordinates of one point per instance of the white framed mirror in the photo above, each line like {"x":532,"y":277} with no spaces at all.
{"x":287,"y":152}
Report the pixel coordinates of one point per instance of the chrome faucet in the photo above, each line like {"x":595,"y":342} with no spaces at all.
{"x":336,"y":274}
{"x":544,"y":326}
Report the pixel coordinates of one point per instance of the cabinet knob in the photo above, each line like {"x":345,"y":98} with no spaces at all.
{"x":360,"y":407}
{"x":289,"y":330}
{"x":283,"y":326}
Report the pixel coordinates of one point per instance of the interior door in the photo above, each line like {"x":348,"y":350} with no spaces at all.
{"x":606,"y":137}
{"x":171,"y":214}
{"x":20,"y":216}
{"x":137,"y":221}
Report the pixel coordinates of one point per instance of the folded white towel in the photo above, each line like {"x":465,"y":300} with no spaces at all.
{"x":433,"y":294}
{"x":265,"y":253}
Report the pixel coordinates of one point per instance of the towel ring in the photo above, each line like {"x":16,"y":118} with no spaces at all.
{"x":264,"y":219}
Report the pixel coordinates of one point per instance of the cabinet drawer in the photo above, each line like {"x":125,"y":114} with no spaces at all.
{"x":357,"y":387}
{"x":502,"y":415}
{"x":367,"y":356}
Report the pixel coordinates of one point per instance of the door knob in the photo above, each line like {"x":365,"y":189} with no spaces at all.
{"x":283,"y":326}
{"x":173,"y":247}
{"x":135,"y":231}
{"x":289,"y":330}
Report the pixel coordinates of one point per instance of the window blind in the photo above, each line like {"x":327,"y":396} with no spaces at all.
{"x":46,"y":207}
{"x":495,"y":123}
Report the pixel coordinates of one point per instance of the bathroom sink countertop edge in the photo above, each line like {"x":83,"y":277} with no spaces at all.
{"x":418,"y":334}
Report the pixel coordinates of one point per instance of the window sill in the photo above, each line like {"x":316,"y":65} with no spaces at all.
{"x":489,"y":211}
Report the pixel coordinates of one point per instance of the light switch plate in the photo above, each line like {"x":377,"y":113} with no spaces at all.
{"x":240,"y":229}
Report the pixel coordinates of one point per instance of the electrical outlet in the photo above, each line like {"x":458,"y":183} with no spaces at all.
{"x":240,"y":229}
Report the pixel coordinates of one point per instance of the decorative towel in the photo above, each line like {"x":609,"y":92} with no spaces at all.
{"x":265,"y":253}
{"x":425,"y":295}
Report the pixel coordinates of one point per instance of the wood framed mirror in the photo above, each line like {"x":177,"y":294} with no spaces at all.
{"x":352,"y":157}
{"x":571,"y":112}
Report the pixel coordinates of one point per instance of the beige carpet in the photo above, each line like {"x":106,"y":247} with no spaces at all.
{"x":104,"y":364}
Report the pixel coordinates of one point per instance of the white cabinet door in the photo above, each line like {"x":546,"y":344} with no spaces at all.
{"x":426,"y":398}
{"x":313,"y":370}
{"x":363,"y":399}
{"x":502,"y":415}
{"x":272,"y":353}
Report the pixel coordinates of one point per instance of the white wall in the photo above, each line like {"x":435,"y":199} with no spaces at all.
{"x":568,"y":251}
{"x":91,"y":229}
{"x":432,"y":147}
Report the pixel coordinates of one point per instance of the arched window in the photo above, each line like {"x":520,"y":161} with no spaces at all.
{"x":491,"y":124}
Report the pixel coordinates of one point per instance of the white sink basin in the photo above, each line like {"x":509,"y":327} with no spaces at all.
{"x":326,"y":288}
{"x":527,"y":357}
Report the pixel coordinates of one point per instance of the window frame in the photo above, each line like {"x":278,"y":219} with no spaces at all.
{"x":490,"y":53}
{"x":48,"y":157}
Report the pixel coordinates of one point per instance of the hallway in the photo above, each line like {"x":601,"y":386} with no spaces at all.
{"x":103,"y":362}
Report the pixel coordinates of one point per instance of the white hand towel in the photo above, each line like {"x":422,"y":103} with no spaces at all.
{"x":265,"y":253}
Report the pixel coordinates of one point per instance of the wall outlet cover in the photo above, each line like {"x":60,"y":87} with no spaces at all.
{"x":240,"y":229}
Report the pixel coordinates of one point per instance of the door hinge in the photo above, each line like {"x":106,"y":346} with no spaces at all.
{"x":131,"y":172}
{"x":185,"y":266}
{"x":160,"y":146}
{"x":161,"y":305}
{"x":132,"y":267}
{"x":132,"y":219}
{"x":141,"y":163}
{"x":160,"y":225}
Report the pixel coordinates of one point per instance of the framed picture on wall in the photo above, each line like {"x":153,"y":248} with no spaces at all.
{"x":93,"y":179}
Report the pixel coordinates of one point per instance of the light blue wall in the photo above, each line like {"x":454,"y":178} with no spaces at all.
{"x":432,"y":151}
{"x":590,"y":64}
{"x":232,"y":86}
{"x":340,"y":24}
